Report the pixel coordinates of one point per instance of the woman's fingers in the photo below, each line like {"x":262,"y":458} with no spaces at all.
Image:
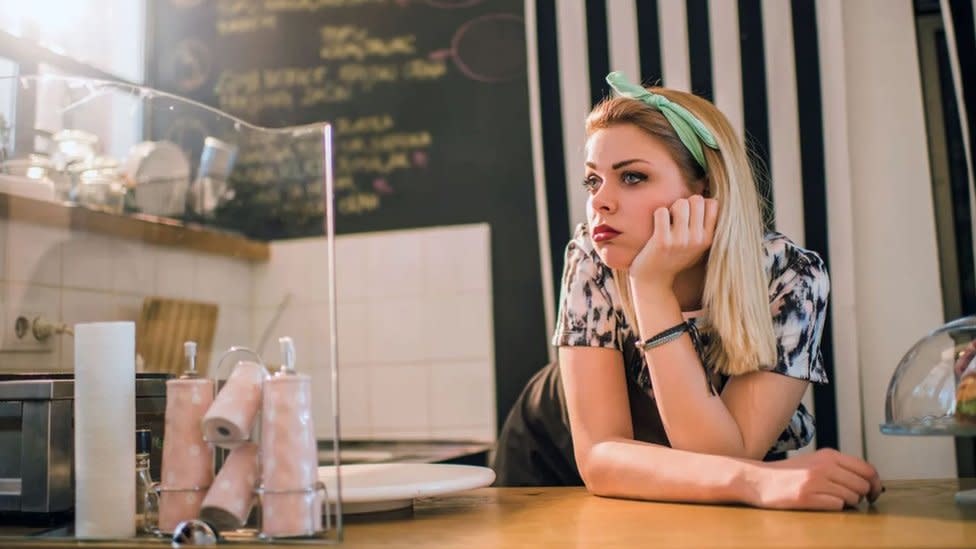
{"x":849,"y":496}
{"x":855,"y":483}
{"x":696,"y":218}
{"x":662,"y":225}
{"x":825,"y":502}
{"x":680,"y":213}
{"x":862,"y":469}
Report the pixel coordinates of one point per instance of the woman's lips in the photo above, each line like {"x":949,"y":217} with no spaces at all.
{"x":603,"y":233}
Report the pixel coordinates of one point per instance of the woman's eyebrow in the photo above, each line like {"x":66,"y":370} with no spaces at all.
{"x":623,"y":163}
{"x":620,"y":164}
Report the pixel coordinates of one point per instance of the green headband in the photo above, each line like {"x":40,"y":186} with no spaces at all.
{"x":690,"y":130}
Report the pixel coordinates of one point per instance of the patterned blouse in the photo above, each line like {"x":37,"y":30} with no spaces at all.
{"x":590,"y":315}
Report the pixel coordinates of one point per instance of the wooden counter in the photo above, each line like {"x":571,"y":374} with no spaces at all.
{"x":911,"y":514}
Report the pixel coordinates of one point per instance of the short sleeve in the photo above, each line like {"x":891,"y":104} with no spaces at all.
{"x":799,"y":309}
{"x":587,"y":316}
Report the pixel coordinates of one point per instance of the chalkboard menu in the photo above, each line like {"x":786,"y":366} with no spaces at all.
{"x":430,"y":109}
{"x":428,"y":98}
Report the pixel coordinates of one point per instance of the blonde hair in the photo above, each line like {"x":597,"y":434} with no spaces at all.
{"x":736,"y":294}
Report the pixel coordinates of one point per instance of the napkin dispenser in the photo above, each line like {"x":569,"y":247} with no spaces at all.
{"x":37,"y":438}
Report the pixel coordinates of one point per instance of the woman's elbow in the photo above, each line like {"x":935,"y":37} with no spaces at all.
{"x":596,"y":470}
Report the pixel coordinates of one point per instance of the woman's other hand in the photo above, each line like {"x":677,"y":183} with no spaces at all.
{"x":681,"y":236}
{"x":825,"y":480}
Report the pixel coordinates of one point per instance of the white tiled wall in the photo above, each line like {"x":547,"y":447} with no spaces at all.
{"x":84,"y":277}
{"x":414,"y":322}
{"x":414,"y":314}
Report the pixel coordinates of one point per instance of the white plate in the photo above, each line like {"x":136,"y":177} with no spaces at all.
{"x":156,"y":160}
{"x":372,"y":487}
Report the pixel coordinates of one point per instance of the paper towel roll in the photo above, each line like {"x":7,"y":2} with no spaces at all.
{"x":289,"y":457}
{"x":105,"y":420}
{"x":289,"y":515}
{"x":188,"y":461}
{"x":229,"y":421}
{"x":229,"y":501}
{"x":177,"y":505}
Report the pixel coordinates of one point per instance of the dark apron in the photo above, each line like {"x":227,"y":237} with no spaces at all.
{"x":535,"y":447}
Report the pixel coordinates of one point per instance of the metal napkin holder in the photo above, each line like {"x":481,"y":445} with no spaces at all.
{"x":200,"y":532}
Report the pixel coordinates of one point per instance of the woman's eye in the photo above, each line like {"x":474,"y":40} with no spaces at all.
{"x":632,"y":178}
{"x":591,"y":183}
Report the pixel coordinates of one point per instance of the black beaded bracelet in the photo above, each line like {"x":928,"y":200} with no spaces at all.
{"x":670,"y":334}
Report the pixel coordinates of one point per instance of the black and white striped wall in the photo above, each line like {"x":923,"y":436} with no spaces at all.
{"x":827,"y":95}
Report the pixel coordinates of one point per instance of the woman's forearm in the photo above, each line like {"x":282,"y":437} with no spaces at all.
{"x":638,"y":470}
{"x":694,"y":418}
{"x":824,"y":480}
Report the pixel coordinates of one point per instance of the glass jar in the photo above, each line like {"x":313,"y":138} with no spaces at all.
{"x":28,"y":176}
{"x":99,"y":185}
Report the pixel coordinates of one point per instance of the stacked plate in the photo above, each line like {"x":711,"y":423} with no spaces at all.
{"x":161,"y":174}
{"x":375,"y":487}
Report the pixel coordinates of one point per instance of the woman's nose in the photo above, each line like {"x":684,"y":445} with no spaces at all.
{"x":604,"y":199}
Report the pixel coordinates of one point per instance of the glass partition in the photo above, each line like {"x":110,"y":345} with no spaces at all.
{"x":121,"y":203}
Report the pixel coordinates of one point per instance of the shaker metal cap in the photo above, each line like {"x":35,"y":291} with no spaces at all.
{"x":190,"y":352}
{"x":287,"y":346}
{"x":143,"y":441}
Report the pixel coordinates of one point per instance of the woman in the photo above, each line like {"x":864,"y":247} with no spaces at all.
{"x":687,"y":336}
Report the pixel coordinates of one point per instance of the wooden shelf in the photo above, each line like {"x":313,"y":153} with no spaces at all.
{"x":145,"y":228}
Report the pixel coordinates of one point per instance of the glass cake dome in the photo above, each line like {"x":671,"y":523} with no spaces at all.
{"x":921,"y":397}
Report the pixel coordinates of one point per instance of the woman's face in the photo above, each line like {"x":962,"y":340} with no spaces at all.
{"x":629,"y":174}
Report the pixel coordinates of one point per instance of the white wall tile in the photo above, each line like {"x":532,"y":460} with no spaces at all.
{"x":268,"y":292}
{"x":88,"y":261}
{"x":128,"y":307}
{"x":263,"y":325}
{"x":353,"y":321}
{"x":394,"y":264}
{"x":222,"y":280}
{"x":457,"y":259}
{"x":313,"y":273}
{"x":398,"y":399}
{"x":461,"y":394}
{"x":134,"y":268}
{"x":352,"y":283}
{"x":318,"y":331}
{"x":292,"y":322}
{"x":464,"y":327}
{"x":397,"y":330}
{"x":297,"y":267}
{"x":34,"y":253}
{"x":441,"y":262}
{"x":476,"y":320}
{"x":392,"y":287}
{"x":233,"y":328}
{"x":175,"y":273}
{"x":476,"y":267}
{"x":322,"y":403}
{"x":19,"y":298}
{"x":79,"y":306}
{"x":354,"y":402}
